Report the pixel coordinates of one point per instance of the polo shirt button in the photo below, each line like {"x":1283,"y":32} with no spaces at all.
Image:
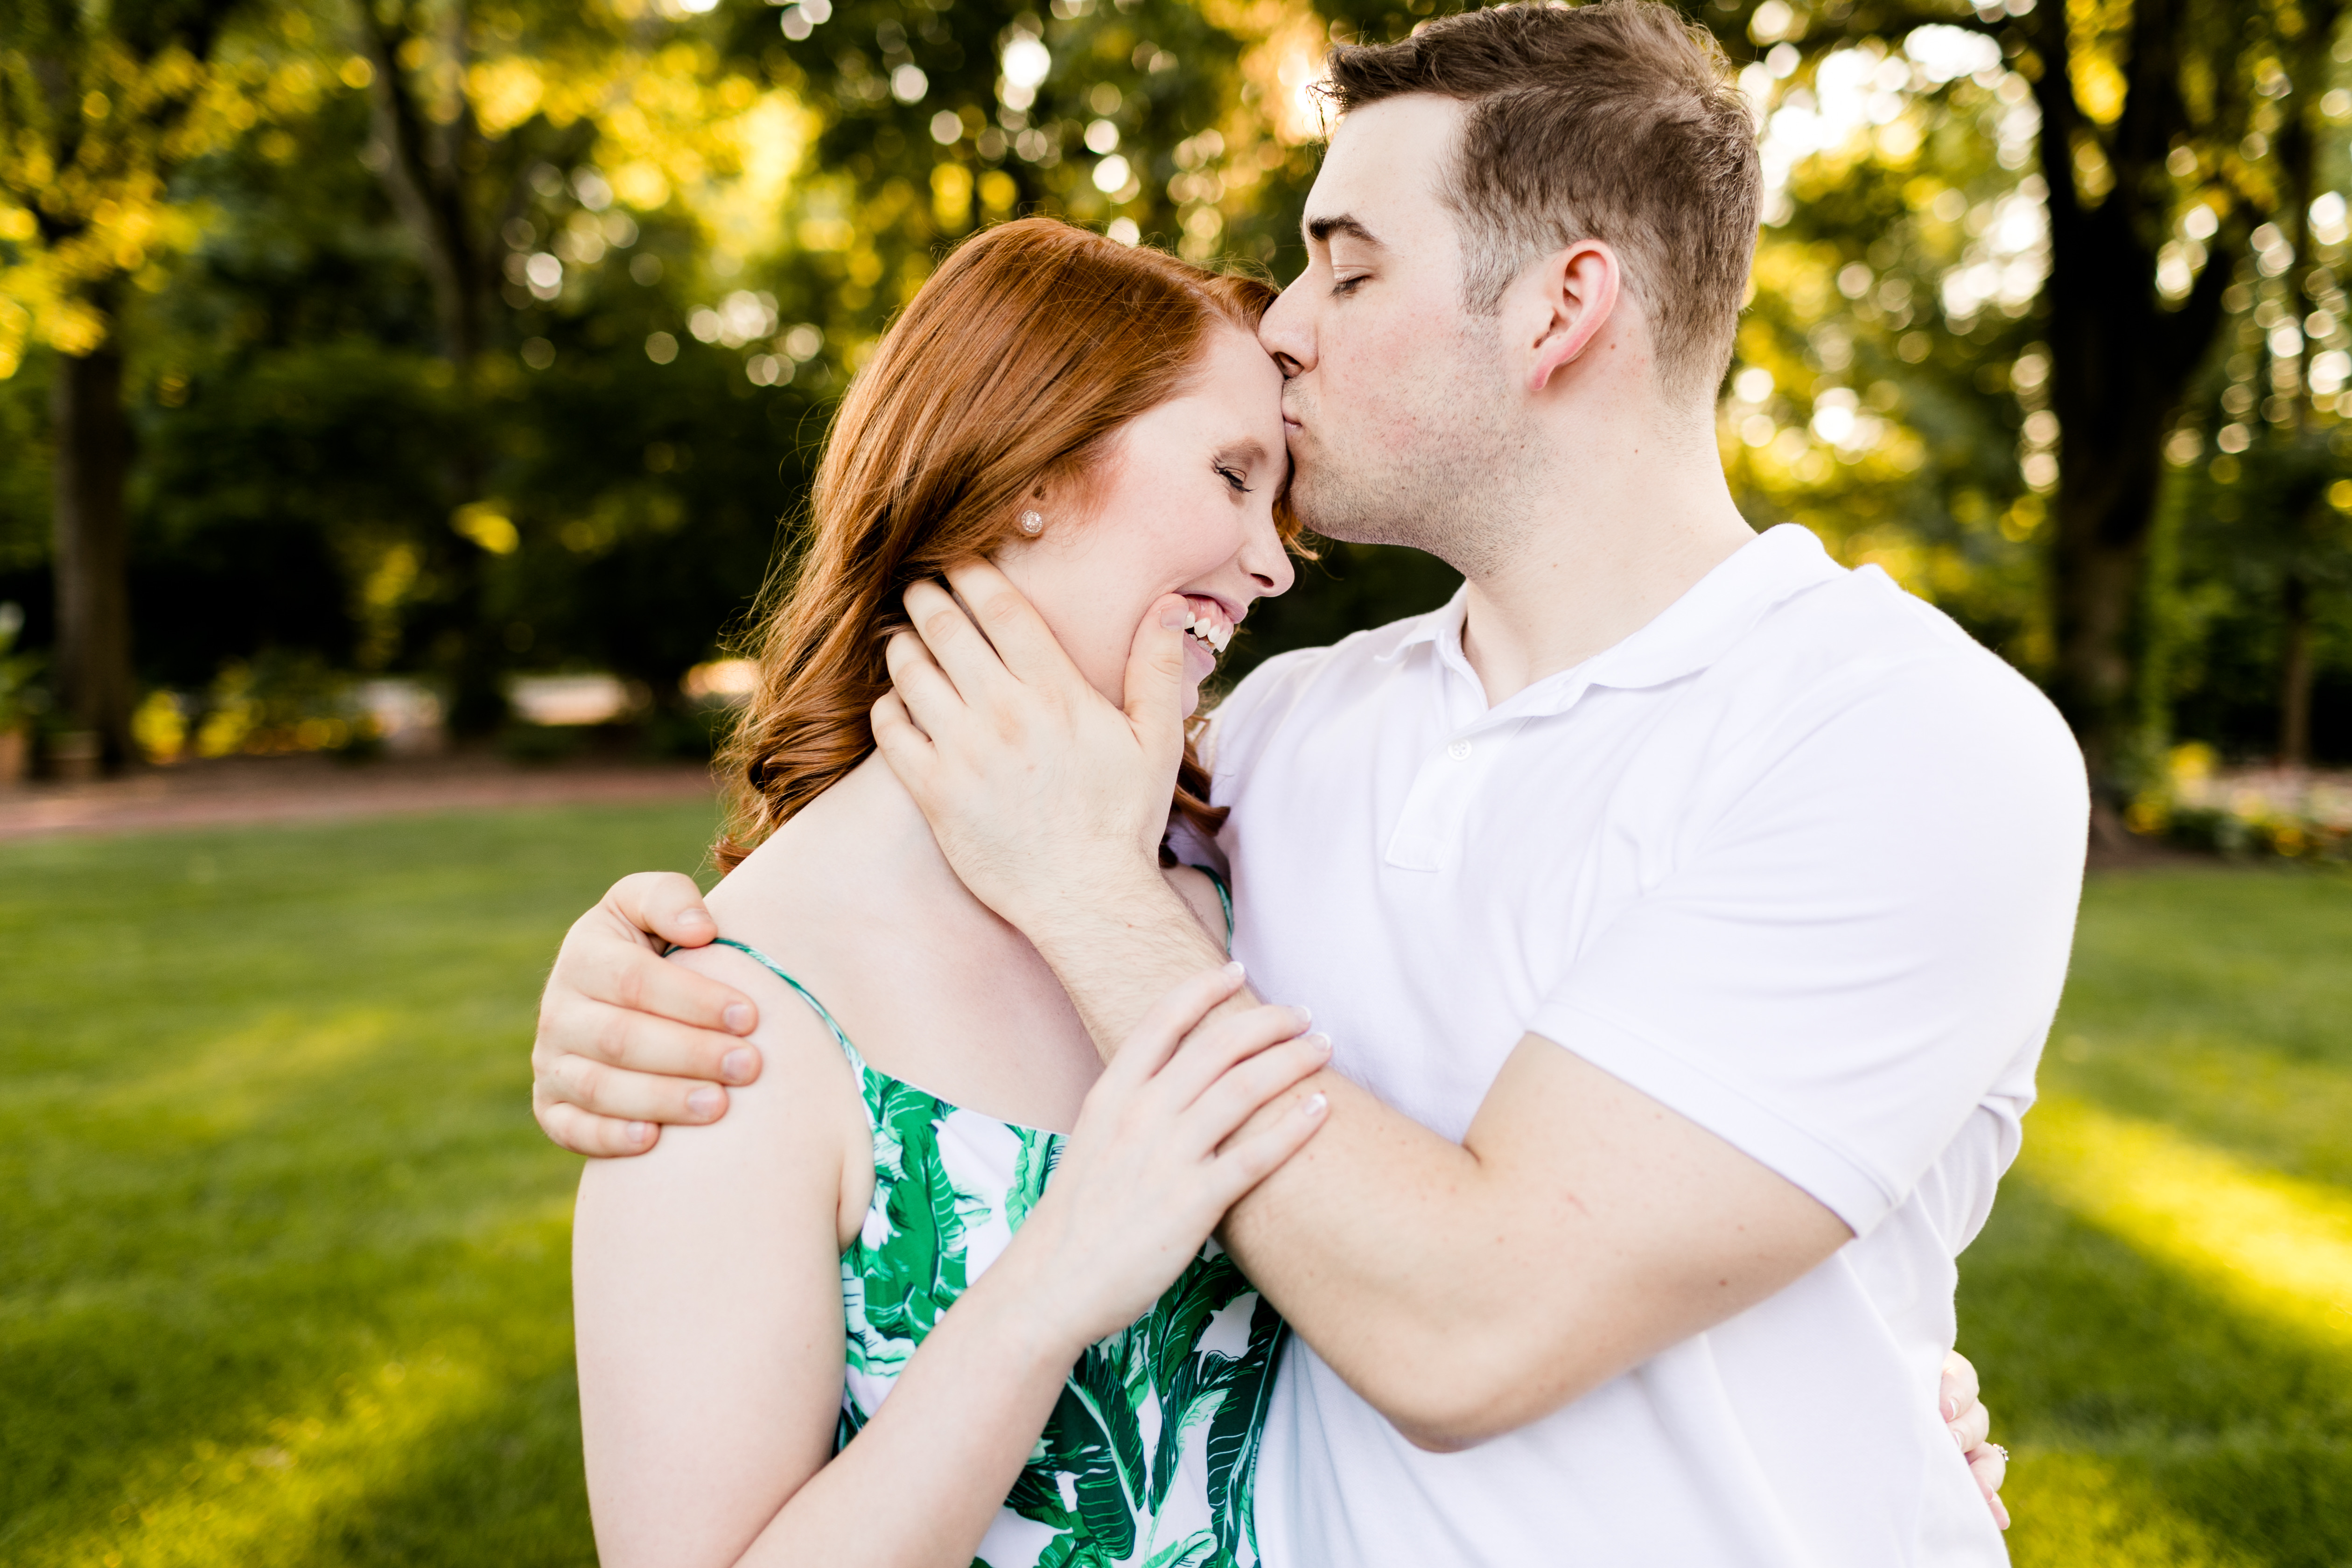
{"x":1458,"y":751}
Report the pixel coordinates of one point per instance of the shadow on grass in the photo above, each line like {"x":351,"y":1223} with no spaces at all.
{"x":2153,"y":1422}
{"x":435,"y":1424}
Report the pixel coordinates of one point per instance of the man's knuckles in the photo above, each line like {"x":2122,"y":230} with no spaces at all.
{"x":942,"y":626}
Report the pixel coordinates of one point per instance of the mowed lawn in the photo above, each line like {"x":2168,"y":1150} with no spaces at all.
{"x":283,"y":1259}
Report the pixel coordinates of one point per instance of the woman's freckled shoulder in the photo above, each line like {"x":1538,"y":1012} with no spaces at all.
{"x":803,"y":1066}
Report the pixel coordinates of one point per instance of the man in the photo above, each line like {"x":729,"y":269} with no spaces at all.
{"x":1687,"y":911}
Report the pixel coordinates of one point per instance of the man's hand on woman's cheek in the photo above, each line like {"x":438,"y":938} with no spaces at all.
{"x":1040,"y":791}
{"x":628,"y":1041}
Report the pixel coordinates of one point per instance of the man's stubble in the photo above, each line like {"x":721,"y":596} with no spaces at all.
{"x":1442,"y":464}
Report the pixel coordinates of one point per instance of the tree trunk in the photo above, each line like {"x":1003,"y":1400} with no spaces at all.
{"x":2120,"y":366}
{"x":2294,"y":677}
{"x":93,"y":565}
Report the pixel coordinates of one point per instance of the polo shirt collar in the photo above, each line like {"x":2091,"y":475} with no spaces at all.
{"x":1683,"y":639}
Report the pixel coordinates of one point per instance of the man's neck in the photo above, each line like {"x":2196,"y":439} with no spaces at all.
{"x":1622,"y":542}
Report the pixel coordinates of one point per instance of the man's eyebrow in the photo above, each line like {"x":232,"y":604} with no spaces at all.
{"x":1320,"y":230}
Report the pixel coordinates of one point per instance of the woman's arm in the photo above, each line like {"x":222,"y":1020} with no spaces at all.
{"x":707,"y":1282}
{"x":708,"y":1301}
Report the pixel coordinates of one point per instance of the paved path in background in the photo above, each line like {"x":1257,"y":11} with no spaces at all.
{"x":239,"y":791}
{"x":235,"y":791}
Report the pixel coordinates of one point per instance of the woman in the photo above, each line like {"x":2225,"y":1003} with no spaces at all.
{"x":1073,"y":1376}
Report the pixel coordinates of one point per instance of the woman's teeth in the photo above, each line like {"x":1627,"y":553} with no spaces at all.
{"x":1213,"y":630}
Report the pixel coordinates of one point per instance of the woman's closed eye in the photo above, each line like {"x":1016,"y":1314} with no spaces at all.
{"x":1234,"y":477}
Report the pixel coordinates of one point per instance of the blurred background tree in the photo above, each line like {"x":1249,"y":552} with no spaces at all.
{"x":2102,"y":199}
{"x":472,"y":338}
{"x":100,"y":106}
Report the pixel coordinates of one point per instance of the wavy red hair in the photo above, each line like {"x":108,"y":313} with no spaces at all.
{"x":1011,"y":370}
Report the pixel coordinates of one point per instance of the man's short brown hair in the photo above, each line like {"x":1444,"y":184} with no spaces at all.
{"x":1617,"y":122}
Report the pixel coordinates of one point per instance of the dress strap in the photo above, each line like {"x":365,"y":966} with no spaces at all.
{"x":805,"y":995}
{"x":1226,"y":898}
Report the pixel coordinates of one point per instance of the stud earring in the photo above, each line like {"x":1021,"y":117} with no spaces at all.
{"x":1031,"y":524}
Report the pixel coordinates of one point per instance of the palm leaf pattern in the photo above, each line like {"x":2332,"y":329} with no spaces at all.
{"x":1148,"y":1458}
{"x":1146,"y":1461}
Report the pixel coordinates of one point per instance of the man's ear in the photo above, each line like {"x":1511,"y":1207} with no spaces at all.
{"x":1578,"y":290}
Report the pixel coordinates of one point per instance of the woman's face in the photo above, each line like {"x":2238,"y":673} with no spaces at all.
{"x":1184,"y":504}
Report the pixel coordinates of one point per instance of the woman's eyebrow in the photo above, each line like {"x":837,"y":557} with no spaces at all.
{"x":1249,"y":454}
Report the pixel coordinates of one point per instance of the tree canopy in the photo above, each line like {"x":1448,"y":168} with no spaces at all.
{"x":462,"y":339}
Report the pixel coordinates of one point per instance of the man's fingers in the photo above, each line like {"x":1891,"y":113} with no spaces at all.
{"x":640,"y":982}
{"x":1025,"y":645}
{"x":1161,"y":1029}
{"x":932,"y":700}
{"x":958,"y":645}
{"x":664,"y":904}
{"x":1253,"y":1159}
{"x":643,"y":1043}
{"x":903,"y":745}
{"x":1155,"y":681}
{"x":1960,"y":1385}
{"x":598,"y":1137}
{"x":628,"y":1095}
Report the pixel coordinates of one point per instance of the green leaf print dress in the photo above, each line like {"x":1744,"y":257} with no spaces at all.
{"x":1148,"y":1456}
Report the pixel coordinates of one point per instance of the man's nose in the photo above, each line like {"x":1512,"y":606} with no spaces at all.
{"x":1287,"y":330}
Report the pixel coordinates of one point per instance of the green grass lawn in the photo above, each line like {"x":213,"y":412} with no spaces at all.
{"x":283,"y":1259}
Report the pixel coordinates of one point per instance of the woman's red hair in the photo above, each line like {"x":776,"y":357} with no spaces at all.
{"x":1011,"y":369}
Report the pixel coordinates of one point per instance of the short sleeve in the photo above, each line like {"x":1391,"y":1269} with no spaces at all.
{"x":1867,"y":937}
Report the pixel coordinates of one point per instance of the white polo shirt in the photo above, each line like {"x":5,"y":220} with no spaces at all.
{"x":1798,"y":859}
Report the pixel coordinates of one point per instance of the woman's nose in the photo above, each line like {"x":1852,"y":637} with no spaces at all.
{"x":1269,"y":564}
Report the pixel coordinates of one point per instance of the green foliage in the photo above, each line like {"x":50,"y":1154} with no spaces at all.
{"x":498,"y":338}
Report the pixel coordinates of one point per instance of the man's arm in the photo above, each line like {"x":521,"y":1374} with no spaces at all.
{"x":628,"y":1041}
{"x":1462,"y":1289}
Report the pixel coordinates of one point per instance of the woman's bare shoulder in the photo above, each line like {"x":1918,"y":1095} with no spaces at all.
{"x":1199,"y":890}
{"x":785,"y":1143}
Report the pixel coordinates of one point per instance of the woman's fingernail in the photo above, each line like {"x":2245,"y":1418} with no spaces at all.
{"x":1305,"y":1015}
{"x":1315,"y":1104}
{"x":736,"y":1065}
{"x":738,"y":1018}
{"x":1999,"y":1512}
{"x":1322,"y":1044}
{"x":1234,"y":968}
{"x":1174,"y":616}
{"x":1957,"y":1438}
{"x":641,"y":1132}
{"x":705,"y":1102}
{"x":1951,"y":1408}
